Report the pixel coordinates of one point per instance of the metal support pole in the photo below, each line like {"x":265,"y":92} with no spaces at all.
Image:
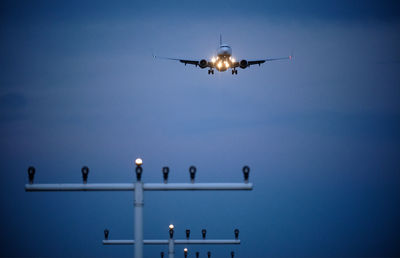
{"x":171,"y":248}
{"x":138,"y":225}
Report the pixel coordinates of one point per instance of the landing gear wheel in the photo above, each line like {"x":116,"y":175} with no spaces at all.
{"x":209,"y":71}
{"x":235,"y":71}
{"x":212,"y":71}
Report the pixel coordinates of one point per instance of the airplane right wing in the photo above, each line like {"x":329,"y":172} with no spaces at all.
{"x":259,"y":62}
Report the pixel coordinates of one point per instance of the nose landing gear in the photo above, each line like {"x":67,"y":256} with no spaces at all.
{"x":210,"y":71}
{"x":234,"y":71}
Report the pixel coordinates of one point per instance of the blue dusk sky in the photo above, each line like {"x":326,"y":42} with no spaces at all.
{"x":321,"y":134}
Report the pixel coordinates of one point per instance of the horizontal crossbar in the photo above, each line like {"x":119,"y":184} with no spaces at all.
{"x":146,"y":187}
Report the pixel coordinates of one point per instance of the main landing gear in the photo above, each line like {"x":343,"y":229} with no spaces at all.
{"x":210,"y":71}
{"x":234,"y":71}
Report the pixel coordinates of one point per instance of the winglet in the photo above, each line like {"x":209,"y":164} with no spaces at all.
{"x":291,"y":57}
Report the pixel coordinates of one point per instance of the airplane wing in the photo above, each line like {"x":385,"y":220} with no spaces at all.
{"x":185,"y":61}
{"x":259,"y":62}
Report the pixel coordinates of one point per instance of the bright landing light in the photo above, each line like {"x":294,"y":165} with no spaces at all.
{"x":233,"y":60}
{"x":171,"y":226}
{"x":138,"y":161}
{"x":219,"y":65}
{"x":213,"y":59}
{"x":226,"y":64}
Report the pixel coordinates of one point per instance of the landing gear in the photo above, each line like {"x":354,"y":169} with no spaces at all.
{"x":210,"y":71}
{"x":234,"y":71}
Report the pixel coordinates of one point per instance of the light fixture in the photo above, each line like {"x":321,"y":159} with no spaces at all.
{"x":85,"y":173}
{"x":192,"y":172}
{"x":209,"y":254}
{"x":139,"y":169}
{"x":213,"y":59}
{"x":236,"y":233}
{"x":31,"y":174}
{"x":139,"y":162}
{"x":187,"y":233}
{"x":204,"y":232}
{"x":106,"y":232}
{"x":185,"y":251}
{"x":165,"y":171}
{"x":246,"y":172}
{"x":162,"y":254}
{"x":197,"y":254}
{"x":171,"y":231}
{"x":232,"y":254}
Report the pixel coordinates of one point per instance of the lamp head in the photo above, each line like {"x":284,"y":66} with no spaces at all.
{"x":139,"y":169}
{"x":246,"y":173}
{"x":232,"y":254}
{"x":106,"y":232}
{"x":192,"y":172}
{"x":31,"y":174}
{"x":209,"y":254}
{"x":187,"y":233}
{"x":85,"y":174}
{"x":165,"y":171}
{"x":138,"y":162}
{"x":171,"y":231}
{"x":204,"y":232}
{"x":236,"y":233}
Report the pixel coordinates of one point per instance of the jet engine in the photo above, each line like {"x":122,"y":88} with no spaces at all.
{"x":203,"y":63}
{"x":243,"y":64}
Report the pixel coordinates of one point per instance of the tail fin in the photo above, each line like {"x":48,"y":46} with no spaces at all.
{"x":220,"y":39}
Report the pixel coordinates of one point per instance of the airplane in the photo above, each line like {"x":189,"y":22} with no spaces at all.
{"x":224,"y":60}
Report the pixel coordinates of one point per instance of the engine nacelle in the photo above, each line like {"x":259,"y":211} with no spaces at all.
{"x":243,"y":64}
{"x":203,"y":63}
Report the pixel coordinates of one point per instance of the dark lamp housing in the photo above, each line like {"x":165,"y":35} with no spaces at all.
{"x":106,"y":232}
{"x":192,"y":171}
{"x":139,"y":171}
{"x":165,"y":171}
{"x":31,"y":174}
{"x":236,"y":233}
{"x":246,"y":173}
{"x":204,"y":232}
{"x":85,"y":174}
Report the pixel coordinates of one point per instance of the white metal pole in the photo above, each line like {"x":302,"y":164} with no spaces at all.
{"x":138,"y":225}
{"x":171,"y":248}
